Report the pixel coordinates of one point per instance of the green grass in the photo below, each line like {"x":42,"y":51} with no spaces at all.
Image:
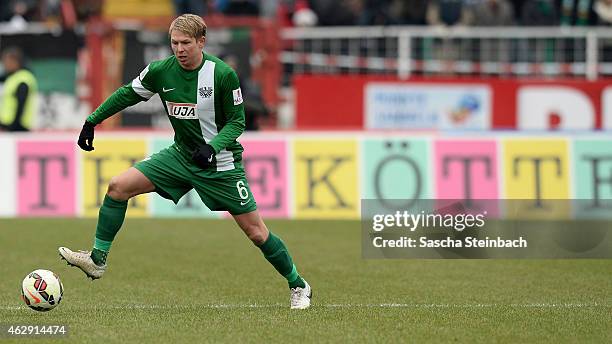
{"x":202,"y":281}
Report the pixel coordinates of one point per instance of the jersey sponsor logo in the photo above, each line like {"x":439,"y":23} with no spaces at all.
{"x":167,"y":89}
{"x":243,"y":203}
{"x":182,"y":110}
{"x":237,"y":96}
{"x":206,"y":92}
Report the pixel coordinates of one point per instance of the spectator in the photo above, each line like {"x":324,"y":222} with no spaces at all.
{"x":577,"y":12}
{"x":518,"y":9}
{"x":603,"y":9}
{"x":18,"y":17}
{"x":240,"y":7}
{"x":444,"y":13}
{"x":375,"y":12}
{"x":539,"y":13}
{"x":6,"y":12}
{"x":303,"y":14}
{"x":403,"y":12}
{"x":493,"y":13}
{"x":189,"y":6}
{"x":448,"y":13}
{"x":87,"y":8}
{"x":339,"y":13}
{"x":269,"y":8}
{"x":18,"y":105}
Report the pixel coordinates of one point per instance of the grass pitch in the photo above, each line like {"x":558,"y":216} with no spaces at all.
{"x":203,"y":281}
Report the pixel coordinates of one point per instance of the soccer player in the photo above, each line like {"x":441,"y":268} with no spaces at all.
{"x":201,"y":95}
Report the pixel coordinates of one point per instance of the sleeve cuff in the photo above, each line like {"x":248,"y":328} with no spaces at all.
{"x":90,"y":120}
{"x":215,"y":147}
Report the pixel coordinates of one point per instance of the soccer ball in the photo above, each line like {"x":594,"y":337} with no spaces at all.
{"x":42,"y":290}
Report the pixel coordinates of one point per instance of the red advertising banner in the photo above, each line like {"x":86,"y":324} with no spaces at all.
{"x":358,"y":102}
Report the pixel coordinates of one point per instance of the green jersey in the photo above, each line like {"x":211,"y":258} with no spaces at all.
{"x":204,"y":105}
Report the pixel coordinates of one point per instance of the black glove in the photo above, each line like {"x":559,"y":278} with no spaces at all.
{"x":204,"y":156}
{"x":86,"y":137}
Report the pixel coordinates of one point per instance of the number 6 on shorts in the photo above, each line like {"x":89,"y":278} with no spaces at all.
{"x":242,"y":190}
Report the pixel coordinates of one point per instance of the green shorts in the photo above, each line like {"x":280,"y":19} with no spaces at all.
{"x":174,"y":175}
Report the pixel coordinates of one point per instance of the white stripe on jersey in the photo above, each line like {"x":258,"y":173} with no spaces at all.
{"x":139,"y":88}
{"x":206,"y":114}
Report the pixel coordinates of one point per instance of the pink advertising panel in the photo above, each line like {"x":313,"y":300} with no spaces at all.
{"x":46,"y":178}
{"x":266,"y":165}
{"x":467,"y":170}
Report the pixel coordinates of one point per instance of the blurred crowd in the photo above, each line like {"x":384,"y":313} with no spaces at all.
{"x":17,"y":13}
{"x":352,"y":12}
{"x":455,"y":12}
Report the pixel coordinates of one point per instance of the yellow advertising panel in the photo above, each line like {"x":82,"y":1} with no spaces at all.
{"x":537,"y":170}
{"x":110,"y":158}
{"x":326,"y":179}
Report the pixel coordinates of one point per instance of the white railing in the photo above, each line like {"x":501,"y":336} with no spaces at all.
{"x":404,"y":51}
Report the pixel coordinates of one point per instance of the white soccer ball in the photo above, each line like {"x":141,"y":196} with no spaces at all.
{"x":42,"y":290}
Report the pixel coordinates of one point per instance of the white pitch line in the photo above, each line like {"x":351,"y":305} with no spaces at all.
{"x":348,"y":305}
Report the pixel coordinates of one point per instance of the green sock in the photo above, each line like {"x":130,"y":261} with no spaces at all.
{"x":98,"y":256}
{"x":110,"y":219}
{"x":276,"y":253}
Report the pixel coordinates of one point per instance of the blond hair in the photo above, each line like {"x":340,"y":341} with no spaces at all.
{"x":189,"y":24}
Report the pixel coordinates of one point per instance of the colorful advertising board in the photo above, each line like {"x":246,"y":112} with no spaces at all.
{"x":320,"y":175}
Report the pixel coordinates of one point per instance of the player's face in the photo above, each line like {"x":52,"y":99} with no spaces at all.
{"x":187,"y":49}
